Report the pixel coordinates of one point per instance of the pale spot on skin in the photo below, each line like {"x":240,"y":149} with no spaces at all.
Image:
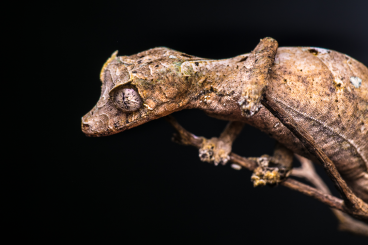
{"x":172,"y":57}
{"x":356,"y":81}
{"x":148,"y":107}
{"x":236,"y":166}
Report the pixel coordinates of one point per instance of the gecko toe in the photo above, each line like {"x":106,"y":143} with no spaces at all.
{"x":206,"y":155}
{"x":268,"y":172}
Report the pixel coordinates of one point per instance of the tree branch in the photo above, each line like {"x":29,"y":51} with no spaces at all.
{"x":322,"y":193}
{"x":346,"y":223}
{"x":184,"y":137}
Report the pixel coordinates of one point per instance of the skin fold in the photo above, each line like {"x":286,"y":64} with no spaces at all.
{"x":324,"y":91}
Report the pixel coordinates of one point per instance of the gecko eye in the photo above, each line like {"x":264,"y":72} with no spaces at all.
{"x":127,"y":99}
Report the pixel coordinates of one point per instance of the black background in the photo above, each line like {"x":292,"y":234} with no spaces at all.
{"x":138,"y":186}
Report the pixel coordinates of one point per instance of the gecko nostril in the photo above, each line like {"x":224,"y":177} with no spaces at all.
{"x":92,"y":125}
{"x":85,"y":127}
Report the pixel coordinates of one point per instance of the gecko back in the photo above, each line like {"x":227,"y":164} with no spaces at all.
{"x":326,"y":92}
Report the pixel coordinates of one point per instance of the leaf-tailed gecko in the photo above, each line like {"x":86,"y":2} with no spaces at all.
{"x":324,"y":91}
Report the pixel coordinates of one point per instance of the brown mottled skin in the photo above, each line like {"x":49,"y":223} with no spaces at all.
{"x":313,"y":85}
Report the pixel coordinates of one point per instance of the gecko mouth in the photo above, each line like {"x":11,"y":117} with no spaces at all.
{"x":97,"y":122}
{"x":108,"y":121}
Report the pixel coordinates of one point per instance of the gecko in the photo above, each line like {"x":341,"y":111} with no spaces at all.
{"x":324,"y":91}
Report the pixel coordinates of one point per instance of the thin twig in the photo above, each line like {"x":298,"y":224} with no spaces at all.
{"x":346,"y":223}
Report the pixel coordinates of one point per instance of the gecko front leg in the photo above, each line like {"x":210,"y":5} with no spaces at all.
{"x":254,"y":75}
{"x":217,"y":150}
{"x":273,"y":169}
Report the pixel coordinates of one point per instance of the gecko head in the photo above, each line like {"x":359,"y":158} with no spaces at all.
{"x":137,"y":89}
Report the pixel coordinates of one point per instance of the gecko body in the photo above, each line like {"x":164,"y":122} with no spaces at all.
{"x":324,"y":91}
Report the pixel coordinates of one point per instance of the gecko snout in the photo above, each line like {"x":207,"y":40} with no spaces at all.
{"x":94,"y":125}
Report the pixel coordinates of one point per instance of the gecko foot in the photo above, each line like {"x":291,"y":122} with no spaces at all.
{"x":268,"y":172}
{"x":249,"y":106}
{"x":214,"y":150}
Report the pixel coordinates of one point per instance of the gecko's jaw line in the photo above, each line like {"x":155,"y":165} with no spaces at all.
{"x":97,"y":124}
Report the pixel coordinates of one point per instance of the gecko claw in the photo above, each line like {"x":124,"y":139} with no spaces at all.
{"x":205,"y":155}
{"x":268,"y":173}
{"x":215,"y":151}
{"x":249,"y":106}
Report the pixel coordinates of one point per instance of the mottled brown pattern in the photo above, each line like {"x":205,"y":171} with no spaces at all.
{"x":313,"y":85}
{"x":254,"y":76}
